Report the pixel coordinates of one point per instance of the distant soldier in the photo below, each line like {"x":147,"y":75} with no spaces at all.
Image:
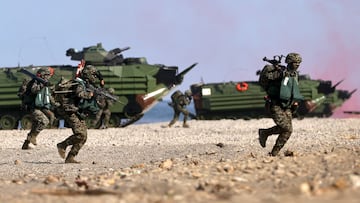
{"x":36,"y":98}
{"x":179,"y":101}
{"x":75,"y":107}
{"x":104,"y":111}
{"x":283,"y":95}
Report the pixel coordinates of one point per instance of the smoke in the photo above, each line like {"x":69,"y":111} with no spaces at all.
{"x":338,"y":57}
{"x":229,"y":38}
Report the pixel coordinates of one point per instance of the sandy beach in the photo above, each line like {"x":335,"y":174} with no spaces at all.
{"x":212,"y":161}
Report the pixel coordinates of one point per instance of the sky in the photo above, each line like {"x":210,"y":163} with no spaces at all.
{"x":227,"y":38}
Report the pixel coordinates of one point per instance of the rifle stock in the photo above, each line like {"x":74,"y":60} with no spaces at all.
{"x":33,"y":76}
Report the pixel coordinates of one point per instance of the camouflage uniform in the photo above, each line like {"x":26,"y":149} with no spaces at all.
{"x":74,"y":112}
{"x":281,"y":109}
{"x":179,"y":103}
{"x":104,"y":111}
{"x":41,"y":115}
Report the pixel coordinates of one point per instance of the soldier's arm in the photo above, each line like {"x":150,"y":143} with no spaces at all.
{"x":82,"y":93}
{"x":36,"y":87}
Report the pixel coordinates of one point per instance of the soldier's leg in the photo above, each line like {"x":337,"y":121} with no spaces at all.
{"x":78,"y":140}
{"x":265,"y":133}
{"x":97,"y":118}
{"x":284,"y":121}
{"x":71,"y":120}
{"x":39,"y":122}
{"x":186,"y":114}
{"x":107,"y":115}
{"x":51,"y":116}
{"x":175,"y":118}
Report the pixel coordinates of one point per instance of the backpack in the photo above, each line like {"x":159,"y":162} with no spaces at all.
{"x":176,"y":95}
{"x":179,"y":98}
{"x":263,"y":76}
{"x":26,"y":96}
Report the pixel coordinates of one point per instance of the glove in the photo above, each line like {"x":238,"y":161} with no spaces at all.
{"x":294,"y":107}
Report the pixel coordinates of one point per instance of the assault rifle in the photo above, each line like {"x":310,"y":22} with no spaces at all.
{"x":33,"y":76}
{"x":101,"y":92}
{"x":276,"y":61}
{"x":97,"y":91}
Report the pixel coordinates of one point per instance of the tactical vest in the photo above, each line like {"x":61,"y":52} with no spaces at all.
{"x":289,"y":89}
{"x":42,"y":99}
{"x":87,"y":105}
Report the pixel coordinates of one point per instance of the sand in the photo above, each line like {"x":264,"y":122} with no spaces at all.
{"x":212,"y":161}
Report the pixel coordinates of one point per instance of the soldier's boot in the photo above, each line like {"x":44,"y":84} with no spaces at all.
{"x":185,"y":125}
{"x":26,"y":145}
{"x":33,"y":139}
{"x":263,"y":135}
{"x":61,"y":149}
{"x":171,"y":124}
{"x":275,"y":151}
{"x":70,"y":159}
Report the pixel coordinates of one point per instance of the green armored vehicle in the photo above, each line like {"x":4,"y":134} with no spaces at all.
{"x":245,"y":99}
{"x":138,"y":85}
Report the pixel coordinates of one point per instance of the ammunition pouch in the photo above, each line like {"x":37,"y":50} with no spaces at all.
{"x":89,"y":106}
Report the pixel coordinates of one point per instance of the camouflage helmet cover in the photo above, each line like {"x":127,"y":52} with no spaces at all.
{"x":188,"y":93}
{"x":111,"y":90}
{"x":43,"y":71}
{"x":89,"y":72}
{"x":293,"y":58}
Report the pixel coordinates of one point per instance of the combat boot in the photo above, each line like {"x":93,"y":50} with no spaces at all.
{"x":263,"y":135}
{"x":275,"y":151}
{"x":70,"y":160}
{"x":26,"y":145}
{"x":61,"y":150}
{"x":33,"y":140}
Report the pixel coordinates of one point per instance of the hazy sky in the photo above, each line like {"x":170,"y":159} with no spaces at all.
{"x":228,"y":38}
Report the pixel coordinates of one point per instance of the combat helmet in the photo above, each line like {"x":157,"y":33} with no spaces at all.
{"x":293,"y":58}
{"x":111,"y":90}
{"x":44,"y":73}
{"x":89,"y":73}
{"x":188,"y":93}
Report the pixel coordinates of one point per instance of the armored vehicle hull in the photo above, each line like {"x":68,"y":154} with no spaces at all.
{"x":245,"y":100}
{"x":138,"y":85}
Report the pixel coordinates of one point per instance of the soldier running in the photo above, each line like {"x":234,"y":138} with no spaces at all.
{"x":75,"y":107}
{"x":283,"y":95}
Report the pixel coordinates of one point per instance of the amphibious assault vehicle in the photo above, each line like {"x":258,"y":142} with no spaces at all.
{"x":137,"y":84}
{"x":245,"y":99}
